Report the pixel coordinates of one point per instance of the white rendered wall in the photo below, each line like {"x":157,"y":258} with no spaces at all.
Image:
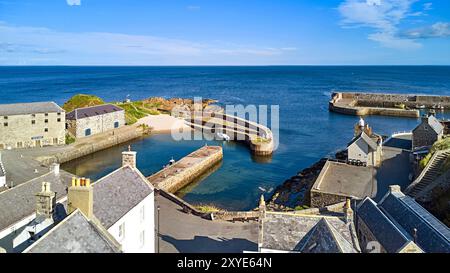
{"x":134,"y":225}
{"x":359,"y":150}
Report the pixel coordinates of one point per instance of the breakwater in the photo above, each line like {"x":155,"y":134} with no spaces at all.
{"x":400,"y":105}
{"x":259,"y":138}
{"x":183,"y":172}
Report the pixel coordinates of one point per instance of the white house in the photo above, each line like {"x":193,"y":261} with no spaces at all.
{"x":122,"y":202}
{"x":365,"y":149}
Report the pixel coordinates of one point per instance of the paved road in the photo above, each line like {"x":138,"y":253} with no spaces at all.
{"x":185,"y":233}
{"x":394,"y":170}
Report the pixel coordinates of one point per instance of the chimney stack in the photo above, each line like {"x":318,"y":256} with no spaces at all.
{"x":55,"y":168}
{"x":348,"y":211}
{"x":81,"y":196}
{"x":129,"y":158}
{"x":394,"y":188}
{"x":45,"y":201}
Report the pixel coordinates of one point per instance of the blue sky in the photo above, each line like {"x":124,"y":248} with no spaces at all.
{"x":224,"y":32}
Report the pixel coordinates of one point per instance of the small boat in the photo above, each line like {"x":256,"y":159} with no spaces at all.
{"x":223,"y":136}
{"x":421,"y":107}
{"x":171,"y":162}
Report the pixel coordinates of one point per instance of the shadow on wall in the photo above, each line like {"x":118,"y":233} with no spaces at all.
{"x":203,"y":244}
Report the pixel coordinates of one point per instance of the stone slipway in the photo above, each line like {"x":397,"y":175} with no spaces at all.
{"x":183,"y":172}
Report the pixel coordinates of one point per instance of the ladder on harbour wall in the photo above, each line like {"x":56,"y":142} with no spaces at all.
{"x":429,"y":174}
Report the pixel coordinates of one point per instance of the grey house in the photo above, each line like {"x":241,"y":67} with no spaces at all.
{"x":427,"y":132}
{"x":83,"y":122}
{"x":399,"y":224}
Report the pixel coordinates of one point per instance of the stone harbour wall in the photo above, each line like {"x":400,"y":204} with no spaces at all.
{"x":185,"y":176}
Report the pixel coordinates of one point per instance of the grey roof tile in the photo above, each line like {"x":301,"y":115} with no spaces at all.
{"x":20,"y":202}
{"x":29,"y":108}
{"x":391,"y":237}
{"x":435,"y":124}
{"x":75,"y":234}
{"x":432,"y":235}
{"x":93,"y":111}
{"x":119,"y":192}
{"x":292,"y":232}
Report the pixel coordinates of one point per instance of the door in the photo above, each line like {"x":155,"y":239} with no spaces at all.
{"x":87,"y":132}
{"x":116,"y":124}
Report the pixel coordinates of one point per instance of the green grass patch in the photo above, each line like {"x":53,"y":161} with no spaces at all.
{"x":69,"y":139}
{"x":441,"y":145}
{"x":80,"y":101}
{"x":207,"y":208}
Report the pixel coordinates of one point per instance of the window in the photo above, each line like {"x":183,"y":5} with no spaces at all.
{"x":122,"y":230}
{"x":142,"y":238}
{"x":33,"y":115}
{"x":116,"y":124}
{"x":5,"y":117}
{"x":87,"y":132}
{"x":46,"y":130}
{"x":59,"y":120}
{"x":46,"y":120}
{"x":33,"y":122}
{"x":59,"y":114}
{"x":5,"y":124}
{"x":46,"y":114}
{"x":142,"y":212}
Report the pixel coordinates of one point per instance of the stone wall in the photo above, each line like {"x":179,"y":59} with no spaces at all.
{"x":322,"y":199}
{"x":25,"y":131}
{"x":86,"y":149}
{"x":424,"y":135}
{"x":97,"y":124}
{"x":175,"y":182}
{"x":365,"y":236}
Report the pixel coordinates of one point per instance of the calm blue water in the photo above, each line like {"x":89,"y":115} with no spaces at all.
{"x":308,"y":130}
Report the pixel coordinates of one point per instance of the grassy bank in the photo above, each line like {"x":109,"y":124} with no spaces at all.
{"x":133,"y":110}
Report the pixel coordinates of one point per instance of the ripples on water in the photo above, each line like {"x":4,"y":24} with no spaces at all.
{"x":308,"y":130}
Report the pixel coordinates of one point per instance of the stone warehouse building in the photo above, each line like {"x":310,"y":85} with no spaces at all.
{"x":427,"y":132}
{"x":83,"y":122}
{"x":36,"y":124}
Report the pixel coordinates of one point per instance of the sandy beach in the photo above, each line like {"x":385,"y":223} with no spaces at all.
{"x":164,"y":124}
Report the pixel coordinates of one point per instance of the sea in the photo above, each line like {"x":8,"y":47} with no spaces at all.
{"x":307,"y":130}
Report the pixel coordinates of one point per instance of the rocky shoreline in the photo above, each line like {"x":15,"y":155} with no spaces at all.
{"x":293,"y":194}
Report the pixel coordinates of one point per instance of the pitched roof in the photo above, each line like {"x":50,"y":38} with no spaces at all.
{"x":324,"y":238}
{"x":370,"y":142}
{"x":75,"y":234}
{"x":29,"y":108}
{"x":296,"y":232}
{"x":92,"y":111}
{"x":435,"y":124}
{"x":432,"y":235}
{"x":391,"y":237}
{"x":20,"y":202}
{"x":119,"y":192}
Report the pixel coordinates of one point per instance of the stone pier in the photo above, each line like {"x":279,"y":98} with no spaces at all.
{"x":184,"y":171}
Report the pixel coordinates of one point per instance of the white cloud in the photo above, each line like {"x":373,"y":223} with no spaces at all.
{"x":383,"y":16}
{"x":73,"y":2}
{"x":428,"y":6}
{"x":29,"y":43}
{"x":437,"y":30}
{"x":193,"y":8}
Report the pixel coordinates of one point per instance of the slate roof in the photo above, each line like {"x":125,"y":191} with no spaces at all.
{"x":391,"y":237}
{"x":75,"y":234}
{"x":434,"y":124}
{"x":372,"y":143}
{"x":307,"y":233}
{"x":92,"y":111}
{"x":29,"y":108}
{"x":119,"y":192}
{"x":432,"y":235}
{"x":20,"y":202}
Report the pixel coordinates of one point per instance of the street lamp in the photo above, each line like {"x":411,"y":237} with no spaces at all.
{"x":158,"y":234}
